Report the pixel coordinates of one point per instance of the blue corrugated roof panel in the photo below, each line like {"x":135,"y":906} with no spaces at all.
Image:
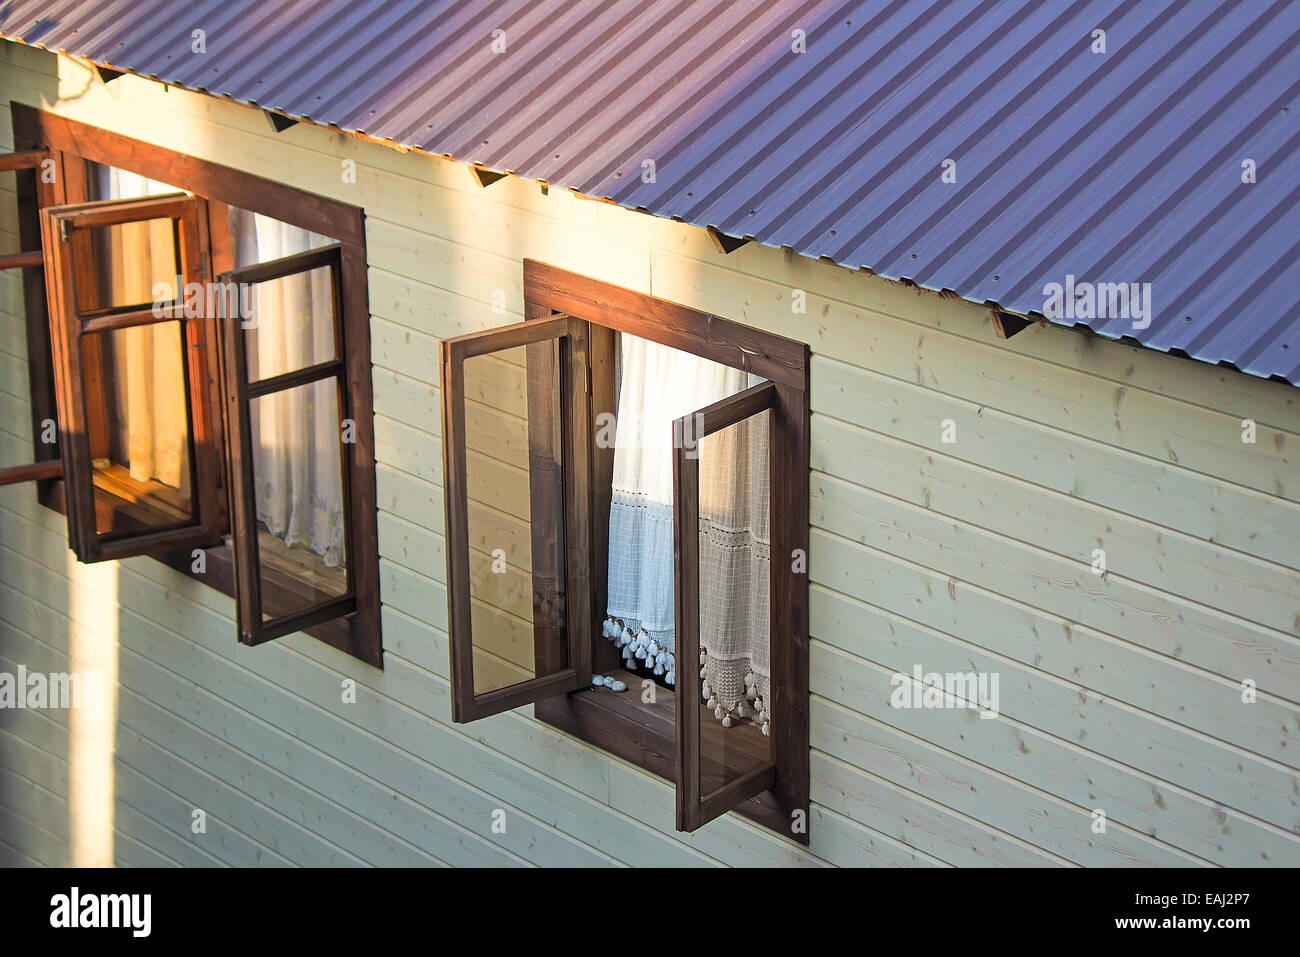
{"x":1123,"y":166}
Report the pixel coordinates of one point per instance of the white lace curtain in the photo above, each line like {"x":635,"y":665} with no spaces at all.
{"x":295,"y":449}
{"x":658,"y":384}
{"x":295,"y":457}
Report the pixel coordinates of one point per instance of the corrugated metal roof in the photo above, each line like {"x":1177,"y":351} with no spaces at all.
{"x":1123,"y":166}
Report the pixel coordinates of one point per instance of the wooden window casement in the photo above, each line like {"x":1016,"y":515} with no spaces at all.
{"x":96,"y":339}
{"x":528,"y":498}
{"x":494,"y":668}
{"x":272,"y":600}
{"x":112,"y":514}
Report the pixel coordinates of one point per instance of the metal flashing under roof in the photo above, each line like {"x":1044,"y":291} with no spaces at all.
{"x":1142,"y":157}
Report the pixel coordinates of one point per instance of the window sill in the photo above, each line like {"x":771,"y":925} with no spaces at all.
{"x":644,"y":734}
{"x":341,"y":633}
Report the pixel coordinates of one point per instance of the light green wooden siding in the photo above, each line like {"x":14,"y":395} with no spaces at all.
{"x":1120,"y":694}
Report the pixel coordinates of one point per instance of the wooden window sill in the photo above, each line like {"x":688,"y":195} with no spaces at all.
{"x":341,"y":633}
{"x":645,"y":734}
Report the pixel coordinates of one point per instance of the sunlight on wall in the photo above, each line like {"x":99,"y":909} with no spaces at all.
{"x":92,"y":653}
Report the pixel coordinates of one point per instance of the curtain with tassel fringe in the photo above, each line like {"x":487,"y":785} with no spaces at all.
{"x":658,"y":384}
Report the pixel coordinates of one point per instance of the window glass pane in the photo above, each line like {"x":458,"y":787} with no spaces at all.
{"x":655,"y":385}
{"x":132,"y":264}
{"x":138,"y":427}
{"x":109,"y":182}
{"x":299,"y":495}
{"x":288,"y":323}
{"x":734,"y":579}
{"x":255,"y":238}
{"x":516,"y":507}
{"x":135,"y":263}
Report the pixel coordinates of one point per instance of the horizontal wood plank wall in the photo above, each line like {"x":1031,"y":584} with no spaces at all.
{"x":1120,"y":694}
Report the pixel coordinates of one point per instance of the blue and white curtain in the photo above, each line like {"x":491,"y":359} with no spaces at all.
{"x":657,"y":385}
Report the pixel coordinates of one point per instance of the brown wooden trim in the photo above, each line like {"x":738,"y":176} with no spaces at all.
{"x":502,"y":338}
{"x":108,"y":321}
{"x":33,"y":193}
{"x":292,"y":380}
{"x":547,"y":475}
{"x":641,"y":734}
{"x":360,"y":633}
{"x":727,"y":412}
{"x":526,"y":692}
{"x":603,"y":400}
{"x":24,"y":159}
{"x":243,"y":502}
{"x":575,"y":424}
{"x":104,"y":549}
{"x":220,"y":574}
{"x":77,"y":364}
{"x":72,"y":431}
{"x":210,"y":370}
{"x":300,"y":620}
{"x":736,"y":792}
{"x":695,"y":806}
{"x":686,"y":611}
{"x":352,"y":320}
{"x":24,"y":260}
{"x":251,"y":603}
{"x":789,"y":470}
{"x":330,"y":255}
{"x":770,"y":356}
{"x":84,"y":267}
{"x":574,"y":645}
{"x":236,"y":187}
{"x":32,"y":472}
{"x":114,"y":212}
{"x":785,"y":363}
{"x":456,"y":504}
{"x":219,"y":238}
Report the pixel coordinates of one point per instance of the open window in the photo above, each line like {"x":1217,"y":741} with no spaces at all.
{"x":171,"y":393}
{"x":517,"y":474}
{"x":134,"y":371}
{"x":652,"y":534}
{"x":289,"y":426}
{"x":722,"y":579}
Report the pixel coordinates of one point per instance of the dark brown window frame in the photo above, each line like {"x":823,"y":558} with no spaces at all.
{"x":71,"y":144}
{"x":62,"y":228}
{"x":563,"y":649}
{"x":252,"y":600}
{"x":650,"y":736}
{"x":695,"y":804}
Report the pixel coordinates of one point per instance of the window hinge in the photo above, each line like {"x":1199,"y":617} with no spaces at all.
{"x":586,"y":370}
{"x":63,"y":230}
{"x":203,"y":262}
